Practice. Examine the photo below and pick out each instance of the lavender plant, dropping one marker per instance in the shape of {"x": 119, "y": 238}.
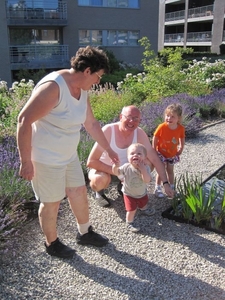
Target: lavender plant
{"x": 152, "y": 114}
{"x": 14, "y": 191}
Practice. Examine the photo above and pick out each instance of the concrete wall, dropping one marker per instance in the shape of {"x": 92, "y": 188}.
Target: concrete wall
{"x": 5, "y": 72}
{"x": 161, "y": 25}
{"x": 144, "y": 19}
{"x": 217, "y": 30}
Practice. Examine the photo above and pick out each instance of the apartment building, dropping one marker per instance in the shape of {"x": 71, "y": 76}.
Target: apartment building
{"x": 199, "y": 24}
{"x": 40, "y": 34}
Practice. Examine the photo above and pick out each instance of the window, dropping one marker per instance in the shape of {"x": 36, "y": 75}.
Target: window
{"x": 28, "y": 36}
{"x": 96, "y": 2}
{"x": 122, "y": 3}
{"x": 90, "y": 37}
{"x": 108, "y": 38}
{"x": 110, "y": 3}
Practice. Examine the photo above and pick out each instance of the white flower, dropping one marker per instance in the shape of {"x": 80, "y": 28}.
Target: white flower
{"x": 129, "y": 75}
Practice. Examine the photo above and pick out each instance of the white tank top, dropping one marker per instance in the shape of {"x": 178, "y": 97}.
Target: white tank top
{"x": 122, "y": 153}
{"x": 55, "y": 137}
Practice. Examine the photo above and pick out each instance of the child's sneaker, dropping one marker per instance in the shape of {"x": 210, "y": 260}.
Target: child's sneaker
{"x": 131, "y": 227}
{"x": 158, "y": 192}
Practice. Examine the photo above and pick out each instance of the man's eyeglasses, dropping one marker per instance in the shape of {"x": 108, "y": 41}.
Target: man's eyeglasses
{"x": 100, "y": 77}
{"x": 130, "y": 118}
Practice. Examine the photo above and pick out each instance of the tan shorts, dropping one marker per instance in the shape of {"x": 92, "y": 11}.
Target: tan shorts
{"x": 50, "y": 182}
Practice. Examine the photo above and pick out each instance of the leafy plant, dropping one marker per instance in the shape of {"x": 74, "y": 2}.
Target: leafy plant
{"x": 204, "y": 71}
{"x": 15, "y": 193}
{"x": 219, "y": 219}
{"x": 84, "y": 148}
{"x": 107, "y": 103}
{"x": 201, "y": 202}
{"x": 182, "y": 185}
{"x": 197, "y": 201}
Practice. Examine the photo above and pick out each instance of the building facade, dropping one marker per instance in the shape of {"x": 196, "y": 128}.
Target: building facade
{"x": 199, "y": 24}
{"x": 40, "y": 34}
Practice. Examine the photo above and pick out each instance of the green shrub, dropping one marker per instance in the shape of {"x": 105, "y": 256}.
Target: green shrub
{"x": 34, "y": 75}
{"x": 163, "y": 76}
{"x": 11, "y": 103}
{"x": 107, "y": 103}
{"x": 117, "y": 76}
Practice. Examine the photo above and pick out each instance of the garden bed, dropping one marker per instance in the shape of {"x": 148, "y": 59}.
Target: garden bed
{"x": 216, "y": 221}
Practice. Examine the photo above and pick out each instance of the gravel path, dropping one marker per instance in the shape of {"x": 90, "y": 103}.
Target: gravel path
{"x": 165, "y": 261}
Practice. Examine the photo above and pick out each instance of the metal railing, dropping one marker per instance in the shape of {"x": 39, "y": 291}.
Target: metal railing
{"x": 176, "y": 15}
{"x": 38, "y": 56}
{"x": 203, "y": 11}
{"x": 204, "y": 36}
{"x": 174, "y": 38}
{"x": 50, "y": 9}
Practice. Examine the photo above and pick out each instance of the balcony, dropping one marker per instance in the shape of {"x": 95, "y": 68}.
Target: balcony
{"x": 174, "y": 38}
{"x": 52, "y": 13}
{"x": 39, "y": 56}
{"x": 199, "y": 12}
{"x": 176, "y": 15}
{"x": 195, "y": 38}
{"x": 199, "y": 37}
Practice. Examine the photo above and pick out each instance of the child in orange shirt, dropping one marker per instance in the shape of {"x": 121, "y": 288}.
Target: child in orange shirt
{"x": 168, "y": 141}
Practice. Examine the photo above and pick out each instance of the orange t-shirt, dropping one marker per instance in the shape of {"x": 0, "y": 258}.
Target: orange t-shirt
{"x": 168, "y": 139}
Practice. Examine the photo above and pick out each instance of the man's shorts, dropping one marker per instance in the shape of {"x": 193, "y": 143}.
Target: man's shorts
{"x": 50, "y": 182}
{"x": 132, "y": 204}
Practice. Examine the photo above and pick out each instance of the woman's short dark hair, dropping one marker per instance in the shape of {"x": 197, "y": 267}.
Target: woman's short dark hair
{"x": 90, "y": 57}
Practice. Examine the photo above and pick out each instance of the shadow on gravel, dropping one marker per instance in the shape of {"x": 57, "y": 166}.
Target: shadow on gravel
{"x": 186, "y": 235}
{"x": 147, "y": 278}
{"x": 207, "y": 138}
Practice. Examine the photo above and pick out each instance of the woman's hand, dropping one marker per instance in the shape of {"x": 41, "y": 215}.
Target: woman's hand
{"x": 113, "y": 155}
{"x": 26, "y": 170}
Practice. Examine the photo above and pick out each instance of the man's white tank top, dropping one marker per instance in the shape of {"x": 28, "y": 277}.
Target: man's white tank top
{"x": 122, "y": 153}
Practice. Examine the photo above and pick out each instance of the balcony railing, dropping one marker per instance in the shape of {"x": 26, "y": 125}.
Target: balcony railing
{"x": 176, "y": 15}
{"x": 174, "y": 38}
{"x": 39, "y": 56}
{"x": 205, "y": 36}
{"x": 38, "y": 10}
{"x": 203, "y": 11}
